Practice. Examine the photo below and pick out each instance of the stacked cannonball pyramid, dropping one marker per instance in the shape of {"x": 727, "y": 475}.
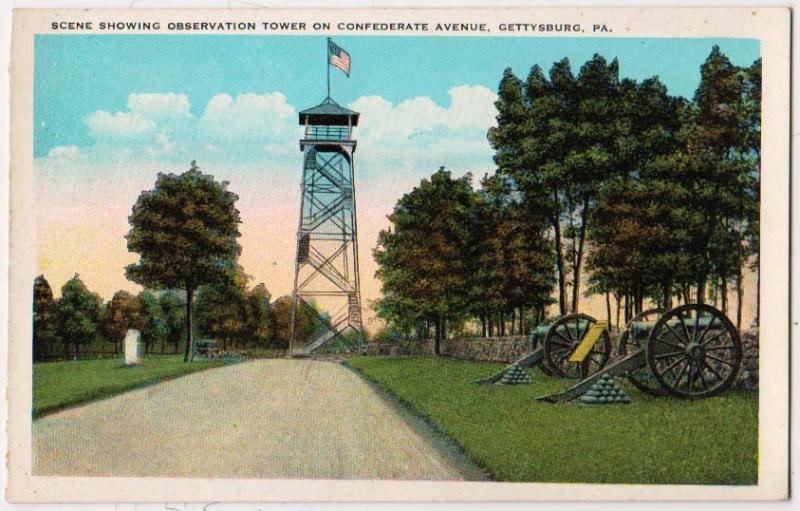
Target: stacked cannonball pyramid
{"x": 516, "y": 375}
{"x": 605, "y": 392}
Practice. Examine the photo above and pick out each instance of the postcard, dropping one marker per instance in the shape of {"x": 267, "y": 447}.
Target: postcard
{"x": 399, "y": 255}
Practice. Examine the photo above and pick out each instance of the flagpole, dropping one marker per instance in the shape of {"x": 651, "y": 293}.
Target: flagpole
{"x": 328, "y": 64}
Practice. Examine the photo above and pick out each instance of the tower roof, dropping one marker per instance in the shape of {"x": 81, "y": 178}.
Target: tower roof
{"x": 329, "y": 112}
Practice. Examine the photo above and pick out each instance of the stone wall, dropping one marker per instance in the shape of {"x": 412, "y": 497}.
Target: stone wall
{"x": 490, "y": 349}
{"x": 509, "y": 349}
{"x": 748, "y": 374}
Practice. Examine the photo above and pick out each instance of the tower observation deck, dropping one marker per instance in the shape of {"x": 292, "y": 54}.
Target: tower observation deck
{"x": 326, "y": 277}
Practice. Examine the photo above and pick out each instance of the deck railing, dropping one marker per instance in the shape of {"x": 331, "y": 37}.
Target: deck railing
{"x": 327, "y": 132}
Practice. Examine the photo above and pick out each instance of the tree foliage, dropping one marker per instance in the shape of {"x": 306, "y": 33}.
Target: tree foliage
{"x": 44, "y": 318}
{"x": 123, "y": 312}
{"x": 79, "y": 313}
{"x": 656, "y": 196}
{"x": 185, "y": 231}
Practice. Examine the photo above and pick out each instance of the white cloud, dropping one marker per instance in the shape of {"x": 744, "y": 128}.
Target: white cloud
{"x": 120, "y": 125}
{"x": 159, "y": 106}
{"x": 266, "y": 117}
{"x": 471, "y": 108}
{"x": 64, "y": 151}
{"x": 145, "y": 114}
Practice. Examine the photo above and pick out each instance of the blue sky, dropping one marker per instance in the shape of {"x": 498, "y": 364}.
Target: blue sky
{"x": 78, "y": 75}
{"x": 113, "y": 110}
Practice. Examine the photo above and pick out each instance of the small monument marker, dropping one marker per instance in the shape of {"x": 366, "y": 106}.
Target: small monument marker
{"x": 132, "y": 347}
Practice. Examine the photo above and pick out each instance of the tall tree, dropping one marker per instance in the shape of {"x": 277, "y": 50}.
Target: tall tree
{"x": 123, "y": 312}
{"x": 79, "y": 314}
{"x": 44, "y": 318}
{"x": 556, "y": 138}
{"x": 530, "y": 144}
{"x": 715, "y": 170}
{"x": 185, "y": 232}
{"x": 516, "y": 264}
{"x": 636, "y": 231}
{"x": 426, "y": 258}
{"x": 752, "y": 147}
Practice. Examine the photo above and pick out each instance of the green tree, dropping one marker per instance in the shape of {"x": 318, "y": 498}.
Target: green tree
{"x": 716, "y": 166}
{"x": 307, "y": 323}
{"x": 123, "y": 312}
{"x": 172, "y": 311}
{"x": 556, "y": 138}
{"x": 636, "y": 231}
{"x": 220, "y": 309}
{"x": 751, "y": 147}
{"x": 44, "y": 318}
{"x": 258, "y": 316}
{"x": 153, "y": 325}
{"x": 515, "y": 259}
{"x": 426, "y": 257}
{"x": 185, "y": 232}
{"x": 79, "y": 313}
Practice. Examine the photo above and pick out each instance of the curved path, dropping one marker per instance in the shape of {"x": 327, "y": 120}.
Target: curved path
{"x": 260, "y": 419}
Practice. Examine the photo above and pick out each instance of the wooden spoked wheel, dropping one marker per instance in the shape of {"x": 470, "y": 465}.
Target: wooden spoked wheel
{"x": 564, "y": 336}
{"x": 635, "y": 337}
{"x": 694, "y": 351}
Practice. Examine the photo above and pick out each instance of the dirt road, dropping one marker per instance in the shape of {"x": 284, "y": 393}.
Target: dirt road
{"x": 259, "y": 419}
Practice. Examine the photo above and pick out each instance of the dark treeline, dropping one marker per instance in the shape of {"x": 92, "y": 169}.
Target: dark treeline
{"x": 238, "y": 317}
{"x": 655, "y": 197}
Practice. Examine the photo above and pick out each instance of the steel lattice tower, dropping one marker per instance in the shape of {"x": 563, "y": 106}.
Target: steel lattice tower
{"x": 326, "y": 263}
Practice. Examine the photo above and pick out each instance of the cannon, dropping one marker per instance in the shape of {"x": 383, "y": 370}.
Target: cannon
{"x": 573, "y": 346}
{"x": 691, "y": 351}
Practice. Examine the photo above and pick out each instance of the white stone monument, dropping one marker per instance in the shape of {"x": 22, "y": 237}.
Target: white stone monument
{"x": 132, "y": 347}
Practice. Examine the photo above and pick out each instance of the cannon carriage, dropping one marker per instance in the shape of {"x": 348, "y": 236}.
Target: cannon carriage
{"x": 573, "y": 346}
{"x": 690, "y": 351}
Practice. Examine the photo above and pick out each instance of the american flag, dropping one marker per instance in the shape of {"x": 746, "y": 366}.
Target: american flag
{"x": 337, "y": 57}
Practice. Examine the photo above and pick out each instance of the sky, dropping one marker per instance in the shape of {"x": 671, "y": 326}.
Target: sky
{"x": 110, "y": 111}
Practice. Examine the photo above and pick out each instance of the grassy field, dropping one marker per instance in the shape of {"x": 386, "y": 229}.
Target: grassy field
{"x": 58, "y": 385}
{"x": 515, "y": 438}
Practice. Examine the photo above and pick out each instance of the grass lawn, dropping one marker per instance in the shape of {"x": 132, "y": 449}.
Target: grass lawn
{"x": 58, "y": 385}
{"x": 515, "y": 438}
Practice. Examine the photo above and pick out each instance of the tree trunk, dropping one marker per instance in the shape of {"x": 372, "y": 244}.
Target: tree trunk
{"x": 724, "y": 293}
{"x": 562, "y": 292}
{"x": 576, "y": 271}
{"x": 627, "y": 308}
{"x": 513, "y": 320}
{"x": 701, "y": 290}
{"x": 77, "y": 349}
{"x": 187, "y": 357}
{"x": 502, "y": 323}
{"x": 639, "y": 305}
{"x": 483, "y": 325}
{"x": 438, "y": 336}
{"x": 739, "y": 297}
{"x": 618, "y": 298}
{"x": 608, "y": 307}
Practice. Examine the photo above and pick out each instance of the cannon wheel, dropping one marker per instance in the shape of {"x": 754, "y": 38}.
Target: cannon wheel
{"x": 641, "y": 378}
{"x": 691, "y": 360}
{"x": 562, "y": 339}
{"x": 543, "y": 364}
